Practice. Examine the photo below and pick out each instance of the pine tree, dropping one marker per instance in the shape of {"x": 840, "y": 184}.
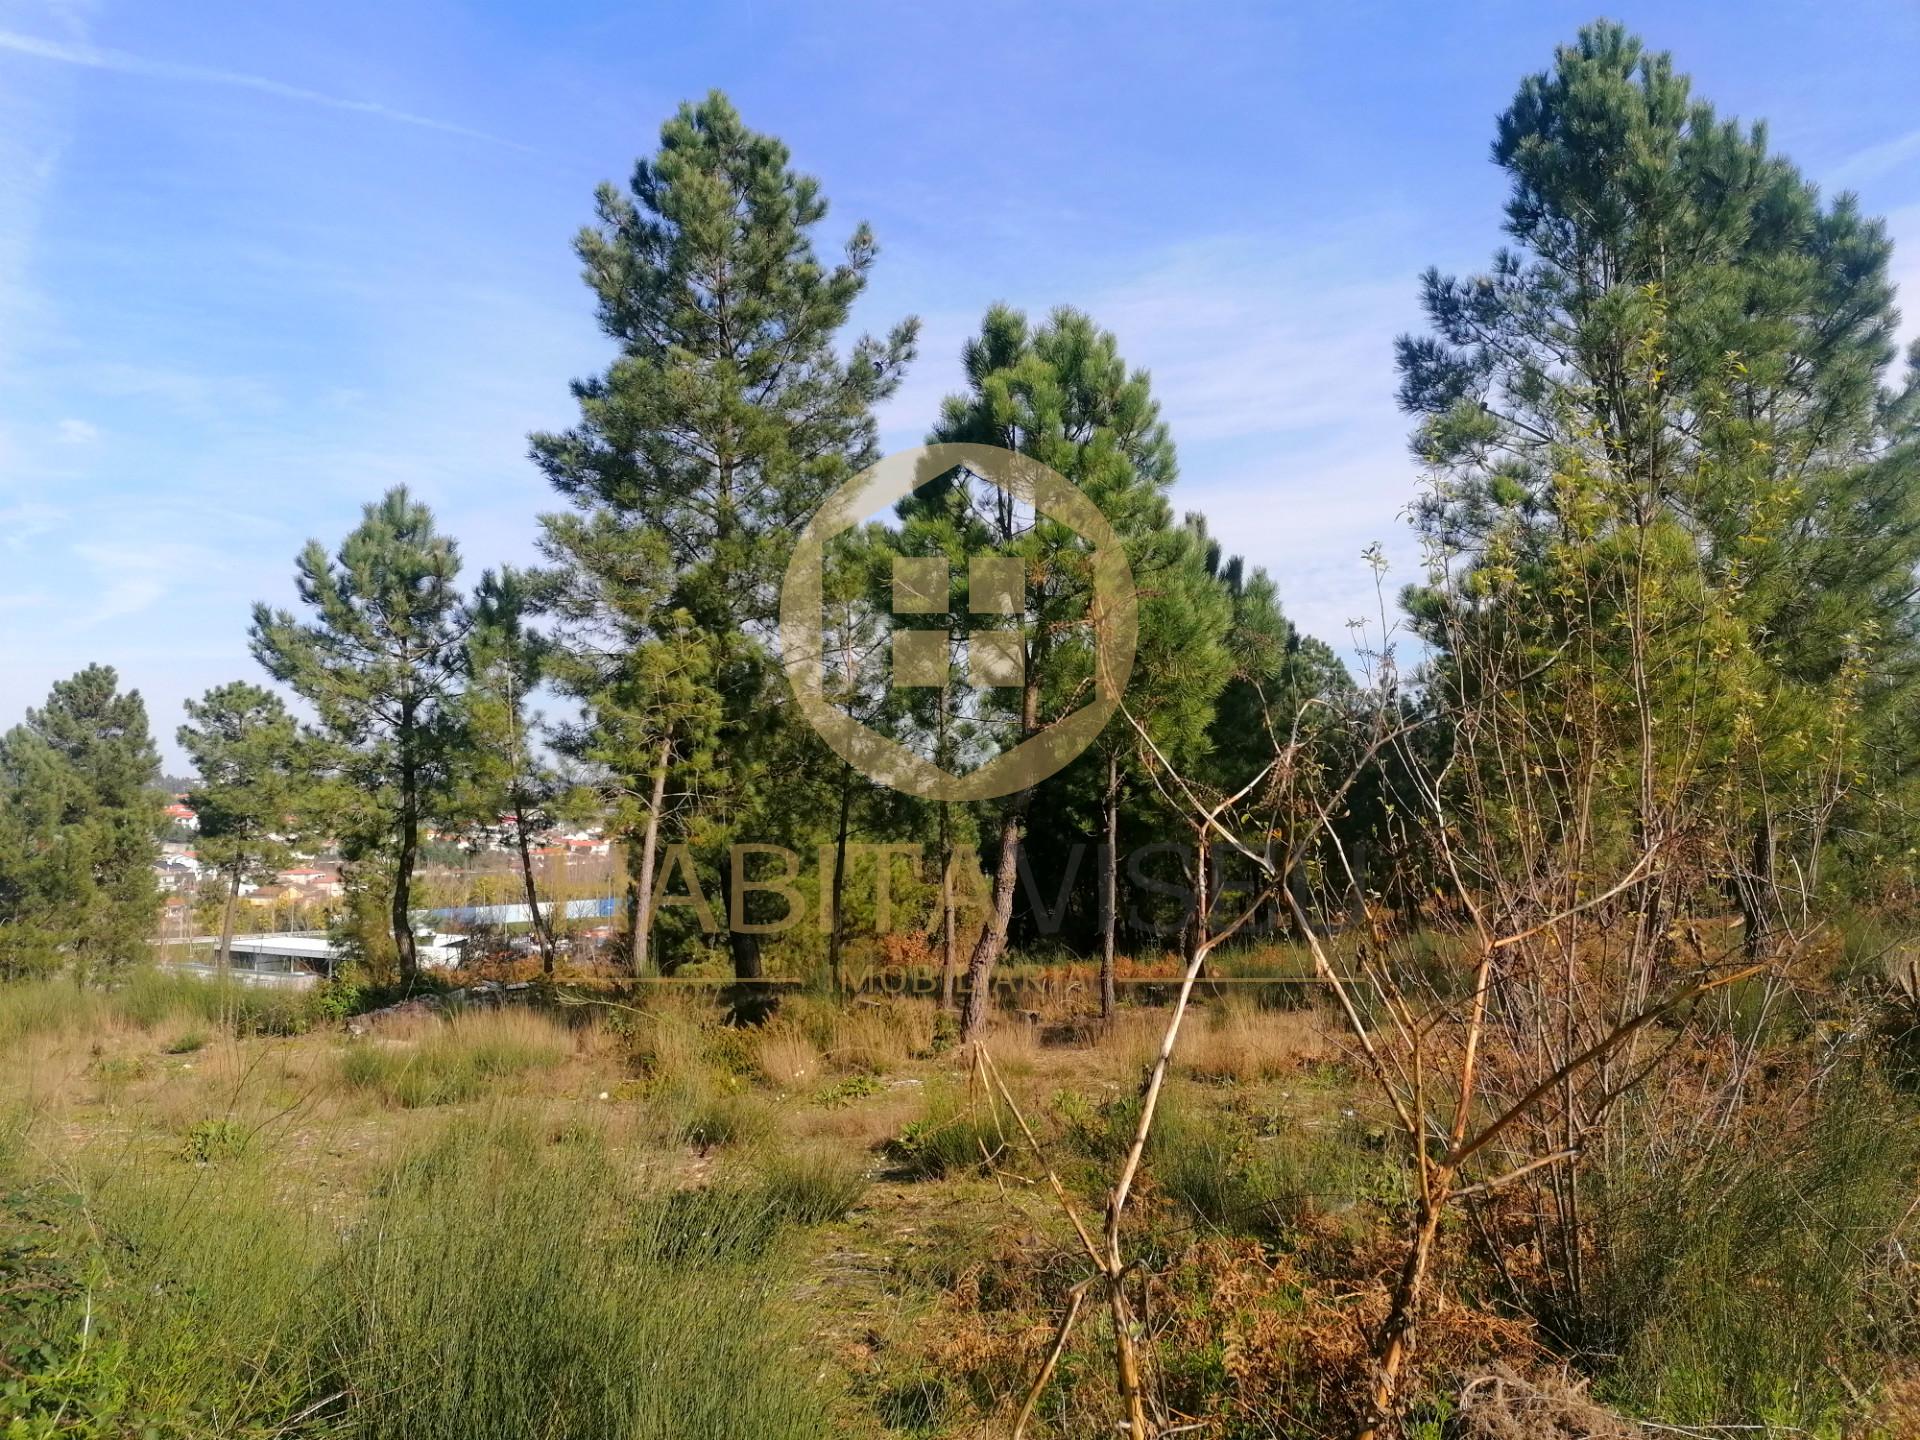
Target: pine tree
{"x": 502, "y": 768}
{"x": 79, "y": 830}
{"x": 246, "y": 749}
{"x": 643, "y": 675}
{"x": 1180, "y": 666}
{"x": 724, "y": 421}
{"x": 1061, "y": 394}
{"x": 381, "y": 663}
{"x": 1686, "y": 347}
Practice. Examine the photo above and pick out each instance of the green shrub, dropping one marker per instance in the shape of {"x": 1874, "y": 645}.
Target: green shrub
{"x": 950, "y": 1139}
{"x": 845, "y": 1091}
{"x": 216, "y": 1139}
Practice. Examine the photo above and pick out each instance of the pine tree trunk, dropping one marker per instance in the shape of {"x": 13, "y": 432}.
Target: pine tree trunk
{"x": 1109, "y": 888}
{"x": 744, "y": 945}
{"x": 516, "y": 796}
{"x": 640, "y": 891}
{"x": 401, "y": 915}
{"x": 225, "y": 959}
{"x": 631, "y": 943}
{"x": 948, "y": 941}
{"x": 540, "y": 931}
{"x": 993, "y": 930}
{"x": 837, "y": 935}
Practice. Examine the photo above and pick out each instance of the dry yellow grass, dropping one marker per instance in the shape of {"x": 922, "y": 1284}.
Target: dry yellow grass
{"x": 877, "y": 1036}
{"x": 1015, "y": 1046}
{"x": 785, "y": 1057}
{"x": 1238, "y": 1043}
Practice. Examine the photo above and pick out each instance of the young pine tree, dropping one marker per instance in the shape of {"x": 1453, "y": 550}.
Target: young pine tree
{"x": 79, "y": 830}
{"x": 381, "y": 662}
{"x": 504, "y": 773}
{"x": 246, "y": 749}
{"x": 1180, "y": 667}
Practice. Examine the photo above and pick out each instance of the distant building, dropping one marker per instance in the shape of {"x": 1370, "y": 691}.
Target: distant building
{"x": 177, "y": 869}
{"x": 314, "y": 882}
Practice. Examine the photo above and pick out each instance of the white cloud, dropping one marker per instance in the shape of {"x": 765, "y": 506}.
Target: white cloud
{"x": 130, "y": 576}
{"x": 27, "y": 521}
{"x": 76, "y": 432}
{"x": 1246, "y": 340}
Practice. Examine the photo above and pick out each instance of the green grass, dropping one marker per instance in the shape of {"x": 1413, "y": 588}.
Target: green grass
{"x": 457, "y": 1061}
{"x": 46, "y": 1006}
{"x": 951, "y": 1138}
{"x": 150, "y": 998}
{"x": 812, "y": 1187}
{"x": 1233, "y": 1168}
{"x": 1759, "y": 1284}
{"x": 498, "y": 1284}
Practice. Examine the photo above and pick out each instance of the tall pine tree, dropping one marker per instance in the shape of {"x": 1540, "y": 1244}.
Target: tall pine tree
{"x": 725, "y": 419}
{"x": 1685, "y": 354}
{"x": 1062, "y": 394}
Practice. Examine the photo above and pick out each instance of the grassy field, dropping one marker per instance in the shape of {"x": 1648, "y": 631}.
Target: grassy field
{"x": 227, "y": 1215}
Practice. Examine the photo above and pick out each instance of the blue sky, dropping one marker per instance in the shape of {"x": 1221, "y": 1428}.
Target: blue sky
{"x": 260, "y": 261}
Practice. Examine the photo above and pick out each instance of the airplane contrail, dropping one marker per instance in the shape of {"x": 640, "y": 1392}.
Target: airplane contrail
{"x": 94, "y": 58}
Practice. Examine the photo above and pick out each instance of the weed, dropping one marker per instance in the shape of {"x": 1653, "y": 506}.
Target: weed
{"x": 845, "y": 1091}
{"x": 216, "y": 1139}
{"x": 949, "y": 1140}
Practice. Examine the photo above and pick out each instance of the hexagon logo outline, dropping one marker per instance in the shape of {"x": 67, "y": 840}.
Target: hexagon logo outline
{"x": 1114, "y": 613}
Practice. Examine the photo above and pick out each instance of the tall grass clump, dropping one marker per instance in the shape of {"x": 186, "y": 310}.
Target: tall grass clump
{"x": 952, "y": 1137}
{"x": 811, "y": 1187}
{"x": 502, "y": 1286}
{"x": 870, "y": 1036}
{"x": 497, "y": 1283}
{"x": 1242, "y": 1042}
{"x": 158, "y": 1297}
{"x": 52, "y": 1005}
{"x": 1756, "y": 1283}
{"x": 458, "y": 1060}
{"x": 150, "y": 998}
